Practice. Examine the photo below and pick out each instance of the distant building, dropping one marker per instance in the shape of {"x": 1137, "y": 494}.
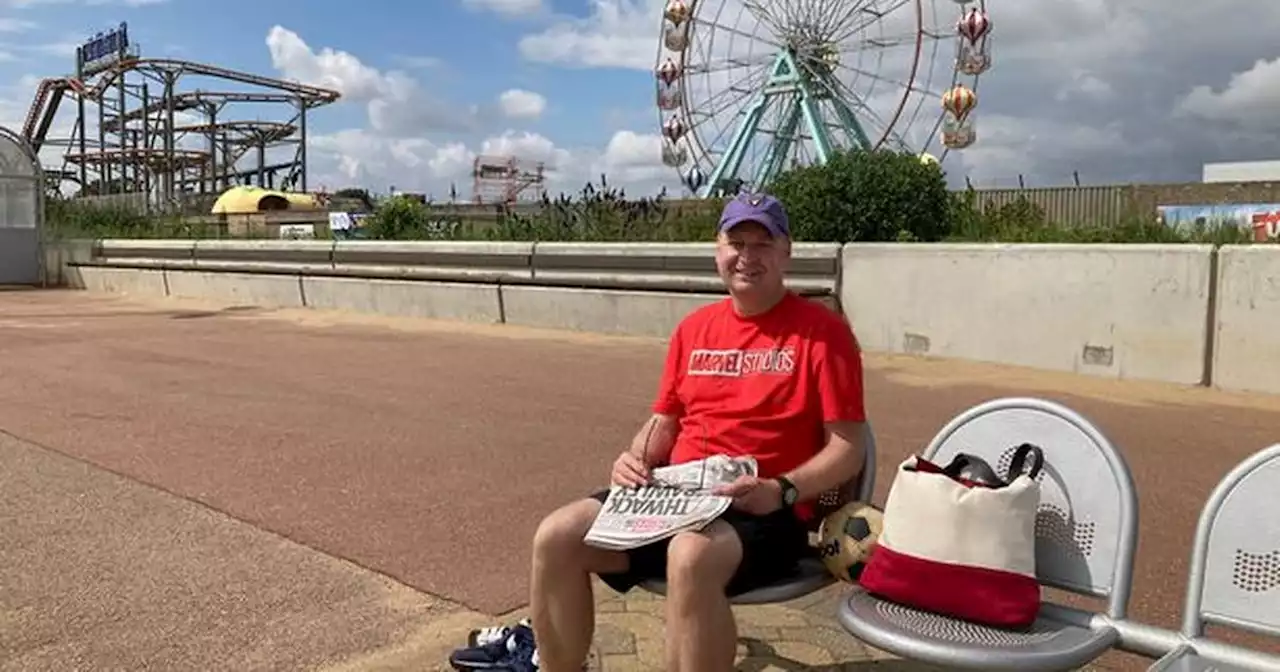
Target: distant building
{"x": 1242, "y": 171}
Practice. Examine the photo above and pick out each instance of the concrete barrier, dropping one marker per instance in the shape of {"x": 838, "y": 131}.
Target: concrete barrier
{"x": 464, "y": 302}
{"x": 611, "y": 288}
{"x": 144, "y": 253}
{"x": 140, "y": 282}
{"x": 282, "y": 257}
{"x": 240, "y": 289}
{"x": 641, "y": 288}
{"x": 1122, "y": 311}
{"x": 674, "y": 267}
{"x": 1158, "y": 312}
{"x": 1246, "y": 352}
{"x": 60, "y": 267}
{"x": 639, "y": 313}
{"x": 460, "y": 261}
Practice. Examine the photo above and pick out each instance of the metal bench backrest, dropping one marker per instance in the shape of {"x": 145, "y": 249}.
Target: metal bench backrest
{"x": 860, "y": 489}
{"x": 1235, "y": 564}
{"x": 1087, "y": 526}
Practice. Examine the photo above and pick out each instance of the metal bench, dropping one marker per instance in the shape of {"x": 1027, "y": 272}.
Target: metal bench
{"x": 1234, "y": 579}
{"x": 811, "y": 575}
{"x": 1086, "y": 534}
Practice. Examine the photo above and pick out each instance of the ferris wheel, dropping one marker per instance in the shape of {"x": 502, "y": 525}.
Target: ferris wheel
{"x": 749, "y": 88}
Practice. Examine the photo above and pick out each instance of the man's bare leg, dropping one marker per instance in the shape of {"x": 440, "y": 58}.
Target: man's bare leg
{"x": 701, "y": 633}
{"x": 561, "y": 602}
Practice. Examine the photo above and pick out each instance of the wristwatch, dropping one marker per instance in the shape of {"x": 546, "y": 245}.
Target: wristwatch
{"x": 789, "y": 492}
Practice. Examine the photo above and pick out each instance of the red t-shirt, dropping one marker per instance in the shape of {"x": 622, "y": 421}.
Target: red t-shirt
{"x": 761, "y": 385}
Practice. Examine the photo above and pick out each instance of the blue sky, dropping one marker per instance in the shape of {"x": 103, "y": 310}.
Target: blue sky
{"x": 465, "y": 55}
{"x": 1078, "y": 86}
{"x": 454, "y": 54}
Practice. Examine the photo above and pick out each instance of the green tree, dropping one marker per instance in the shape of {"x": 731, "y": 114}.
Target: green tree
{"x": 858, "y": 196}
{"x": 399, "y": 218}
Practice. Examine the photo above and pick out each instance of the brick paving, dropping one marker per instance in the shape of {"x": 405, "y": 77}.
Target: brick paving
{"x": 381, "y": 451}
{"x": 799, "y": 635}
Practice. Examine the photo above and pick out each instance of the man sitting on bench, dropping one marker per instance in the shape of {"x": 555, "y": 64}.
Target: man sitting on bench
{"x": 765, "y": 373}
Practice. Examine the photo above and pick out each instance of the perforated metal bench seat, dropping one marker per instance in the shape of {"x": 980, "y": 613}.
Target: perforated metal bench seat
{"x": 1049, "y": 645}
{"x": 1185, "y": 659}
{"x": 810, "y": 576}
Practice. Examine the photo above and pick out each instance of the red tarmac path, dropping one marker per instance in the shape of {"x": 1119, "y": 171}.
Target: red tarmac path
{"x": 427, "y": 452}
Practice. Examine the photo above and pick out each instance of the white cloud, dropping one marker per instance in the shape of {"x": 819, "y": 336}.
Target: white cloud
{"x": 1115, "y": 91}
{"x": 396, "y": 103}
{"x": 510, "y": 8}
{"x": 11, "y": 25}
{"x": 331, "y": 69}
{"x": 23, "y": 4}
{"x": 359, "y": 157}
{"x": 399, "y": 146}
{"x": 521, "y": 104}
{"x": 617, "y": 34}
{"x": 1249, "y": 99}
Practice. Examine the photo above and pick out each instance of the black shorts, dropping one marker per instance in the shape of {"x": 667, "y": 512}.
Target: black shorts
{"x": 772, "y": 545}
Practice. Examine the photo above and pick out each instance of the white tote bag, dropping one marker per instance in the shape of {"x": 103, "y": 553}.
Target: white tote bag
{"x": 960, "y": 541}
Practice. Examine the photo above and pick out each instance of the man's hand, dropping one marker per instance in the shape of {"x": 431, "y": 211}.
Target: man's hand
{"x": 757, "y": 496}
{"x": 629, "y": 470}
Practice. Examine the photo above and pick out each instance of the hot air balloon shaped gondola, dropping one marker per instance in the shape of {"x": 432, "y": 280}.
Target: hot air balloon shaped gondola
{"x": 670, "y": 93}
{"x": 957, "y": 130}
{"x": 974, "y": 49}
{"x": 694, "y": 179}
{"x": 674, "y": 155}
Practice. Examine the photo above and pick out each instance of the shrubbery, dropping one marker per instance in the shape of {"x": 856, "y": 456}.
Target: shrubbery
{"x": 605, "y": 214}
{"x": 855, "y": 197}
{"x": 81, "y": 219}
{"x": 1022, "y": 221}
{"x": 404, "y": 218}
{"x": 867, "y": 196}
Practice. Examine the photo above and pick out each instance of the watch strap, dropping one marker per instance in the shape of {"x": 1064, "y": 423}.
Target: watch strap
{"x": 789, "y": 491}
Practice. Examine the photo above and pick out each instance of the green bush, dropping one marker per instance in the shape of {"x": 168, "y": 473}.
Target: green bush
{"x": 856, "y": 197}
{"x": 867, "y": 197}
{"x": 605, "y": 214}
{"x": 405, "y": 218}
{"x": 66, "y": 219}
{"x": 1021, "y": 221}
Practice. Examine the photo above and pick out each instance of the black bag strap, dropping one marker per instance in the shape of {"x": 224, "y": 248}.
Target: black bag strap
{"x": 1018, "y": 465}
{"x": 973, "y": 468}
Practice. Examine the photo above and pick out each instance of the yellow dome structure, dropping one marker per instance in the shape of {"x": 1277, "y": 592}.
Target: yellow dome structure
{"x": 249, "y": 200}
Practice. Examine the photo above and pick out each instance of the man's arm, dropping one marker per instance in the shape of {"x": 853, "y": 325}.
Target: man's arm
{"x": 657, "y": 437}
{"x": 837, "y": 372}
{"x": 654, "y": 441}
{"x": 838, "y": 462}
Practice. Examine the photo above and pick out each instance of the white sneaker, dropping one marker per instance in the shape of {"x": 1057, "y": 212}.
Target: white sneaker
{"x": 493, "y": 633}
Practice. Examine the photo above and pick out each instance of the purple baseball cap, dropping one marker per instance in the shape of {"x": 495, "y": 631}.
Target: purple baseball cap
{"x": 760, "y": 208}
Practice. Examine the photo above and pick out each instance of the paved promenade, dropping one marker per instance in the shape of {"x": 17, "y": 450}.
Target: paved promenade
{"x": 194, "y": 487}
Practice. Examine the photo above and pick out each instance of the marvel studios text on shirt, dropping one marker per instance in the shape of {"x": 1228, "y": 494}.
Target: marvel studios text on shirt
{"x": 737, "y": 363}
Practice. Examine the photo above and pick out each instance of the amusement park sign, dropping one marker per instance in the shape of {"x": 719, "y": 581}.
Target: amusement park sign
{"x": 102, "y": 49}
{"x": 1263, "y": 219}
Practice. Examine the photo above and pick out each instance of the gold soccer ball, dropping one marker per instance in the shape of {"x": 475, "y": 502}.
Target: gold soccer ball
{"x": 846, "y": 538}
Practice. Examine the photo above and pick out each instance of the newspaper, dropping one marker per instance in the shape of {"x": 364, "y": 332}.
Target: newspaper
{"x": 677, "y": 498}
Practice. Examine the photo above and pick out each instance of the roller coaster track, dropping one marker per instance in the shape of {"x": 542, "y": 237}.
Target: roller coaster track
{"x": 44, "y": 108}
{"x": 181, "y": 102}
